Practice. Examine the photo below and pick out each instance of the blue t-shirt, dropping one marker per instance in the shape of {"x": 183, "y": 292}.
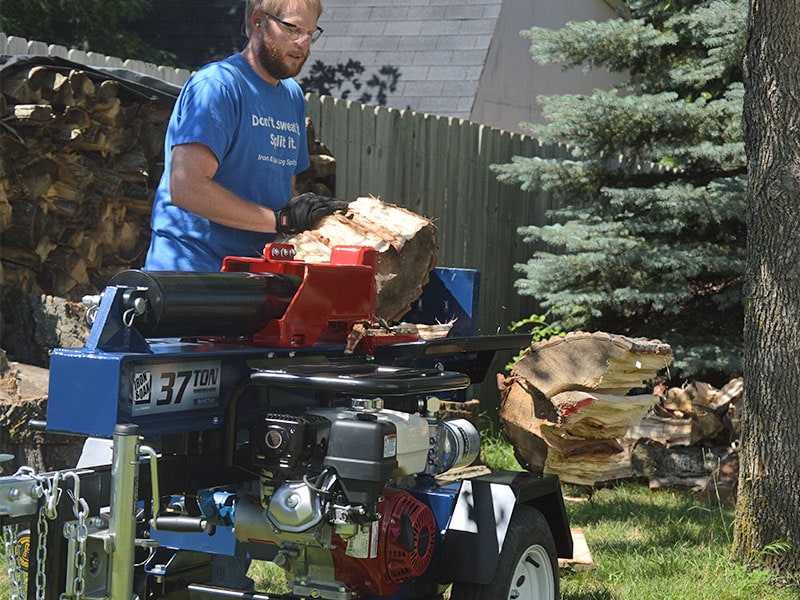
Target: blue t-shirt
{"x": 257, "y": 132}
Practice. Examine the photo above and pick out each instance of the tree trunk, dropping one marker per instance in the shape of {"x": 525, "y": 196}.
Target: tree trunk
{"x": 768, "y": 505}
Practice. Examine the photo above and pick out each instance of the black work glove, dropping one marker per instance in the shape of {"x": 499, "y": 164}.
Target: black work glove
{"x": 302, "y": 212}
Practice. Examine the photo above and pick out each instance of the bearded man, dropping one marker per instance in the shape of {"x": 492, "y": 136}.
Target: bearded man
{"x": 235, "y": 142}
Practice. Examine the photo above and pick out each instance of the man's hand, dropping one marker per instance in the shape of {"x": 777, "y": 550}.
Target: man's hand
{"x": 303, "y": 211}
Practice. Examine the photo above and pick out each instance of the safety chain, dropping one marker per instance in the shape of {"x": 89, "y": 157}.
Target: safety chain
{"x": 13, "y": 566}
{"x": 41, "y": 554}
{"x": 81, "y": 510}
{"x": 50, "y": 494}
{"x": 80, "y": 557}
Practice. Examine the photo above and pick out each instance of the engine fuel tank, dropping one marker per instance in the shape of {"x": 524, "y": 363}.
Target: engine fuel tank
{"x": 410, "y": 442}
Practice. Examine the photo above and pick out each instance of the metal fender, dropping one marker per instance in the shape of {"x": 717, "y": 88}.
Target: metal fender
{"x": 474, "y": 536}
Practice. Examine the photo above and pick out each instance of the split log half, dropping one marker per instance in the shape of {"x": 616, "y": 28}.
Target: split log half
{"x": 591, "y": 469}
{"x": 571, "y": 394}
{"x": 406, "y": 245}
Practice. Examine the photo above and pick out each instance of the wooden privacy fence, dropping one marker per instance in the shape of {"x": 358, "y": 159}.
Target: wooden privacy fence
{"x": 440, "y": 167}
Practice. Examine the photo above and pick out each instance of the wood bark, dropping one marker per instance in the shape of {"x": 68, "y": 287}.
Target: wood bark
{"x": 565, "y": 405}
{"x": 405, "y": 241}
{"x": 768, "y": 504}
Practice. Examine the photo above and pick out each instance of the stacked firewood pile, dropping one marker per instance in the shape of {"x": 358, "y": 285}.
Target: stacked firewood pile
{"x": 81, "y": 158}
{"x": 81, "y": 153}
{"x": 690, "y": 439}
{"x": 584, "y": 407}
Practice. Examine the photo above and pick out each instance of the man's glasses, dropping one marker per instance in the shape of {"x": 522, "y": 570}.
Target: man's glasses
{"x": 294, "y": 33}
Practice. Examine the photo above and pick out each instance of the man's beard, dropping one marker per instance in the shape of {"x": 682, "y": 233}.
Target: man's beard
{"x": 272, "y": 61}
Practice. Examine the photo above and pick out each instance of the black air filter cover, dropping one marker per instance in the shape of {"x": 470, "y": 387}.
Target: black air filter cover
{"x": 363, "y": 450}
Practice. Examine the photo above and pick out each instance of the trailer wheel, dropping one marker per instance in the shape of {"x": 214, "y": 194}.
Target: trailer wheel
{"x": 527, "y": 568}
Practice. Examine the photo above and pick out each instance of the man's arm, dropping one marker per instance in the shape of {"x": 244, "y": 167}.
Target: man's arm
{"x": 192, "y": 188}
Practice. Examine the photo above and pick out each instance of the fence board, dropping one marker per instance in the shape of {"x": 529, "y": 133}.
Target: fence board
{"x": 417, "y": 173}
{"x": 403, "y": 157}
{"x": 368, "y": 151}
{"x": 478, "y": 172}
{"x": 492, "y": 302}
{"x": 466, "y": 202}
{"x": 354, "y": 144}
{"x": 382, "y": 173}
{"x": 341, "y": 146}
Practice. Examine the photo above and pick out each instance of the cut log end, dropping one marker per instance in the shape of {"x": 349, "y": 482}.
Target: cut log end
{"x": 569, "y": 396}
{"x": 406, "y": 245}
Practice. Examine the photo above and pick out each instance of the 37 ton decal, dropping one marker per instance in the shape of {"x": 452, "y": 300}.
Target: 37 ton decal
{"x": 175, "y": 386}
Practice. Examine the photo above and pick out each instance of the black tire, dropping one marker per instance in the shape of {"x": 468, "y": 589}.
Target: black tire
{"x": 527, "y": 568}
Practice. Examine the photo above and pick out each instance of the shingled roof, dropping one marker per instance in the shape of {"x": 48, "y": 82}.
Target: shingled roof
{"x": 457, "y": 58}
{"x": 434, "y": 50}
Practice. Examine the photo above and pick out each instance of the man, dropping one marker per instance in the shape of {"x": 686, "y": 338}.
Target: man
{"x": 234, "y": 144}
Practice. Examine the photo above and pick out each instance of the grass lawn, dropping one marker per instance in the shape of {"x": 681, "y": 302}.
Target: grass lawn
{"x": 660, "y": 546}
{"x": 652, "y": 545}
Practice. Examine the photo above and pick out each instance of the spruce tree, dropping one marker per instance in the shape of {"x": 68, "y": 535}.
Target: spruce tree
{"x": 649, "y": 239}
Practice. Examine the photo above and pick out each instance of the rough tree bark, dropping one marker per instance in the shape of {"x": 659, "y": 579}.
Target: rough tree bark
{"x": 768, "y": 505}
{"x": 405, "y": 241}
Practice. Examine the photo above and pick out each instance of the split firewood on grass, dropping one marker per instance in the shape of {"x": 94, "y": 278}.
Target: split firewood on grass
{"x": 565, "y": 406}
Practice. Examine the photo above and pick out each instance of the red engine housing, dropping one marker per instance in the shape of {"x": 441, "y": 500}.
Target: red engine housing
{"x": 397, "y": 548}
